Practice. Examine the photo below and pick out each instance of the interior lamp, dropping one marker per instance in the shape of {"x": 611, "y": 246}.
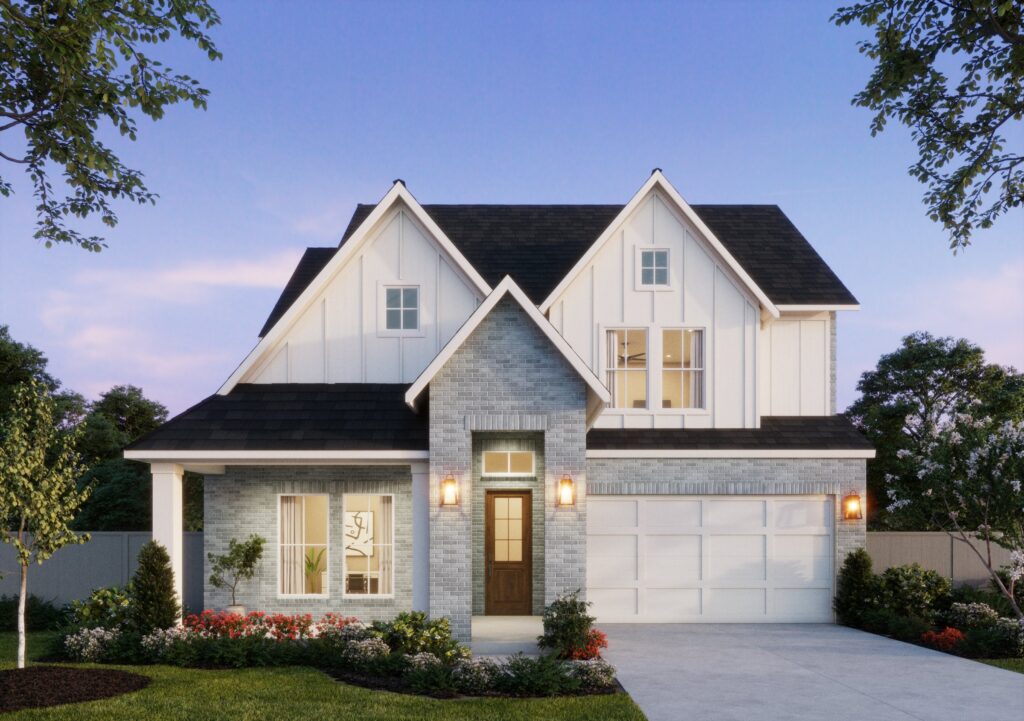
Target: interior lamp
{"x": 449, "y": 491}
{"x": 566, "y": 491}
{"x": 853, "y": 508}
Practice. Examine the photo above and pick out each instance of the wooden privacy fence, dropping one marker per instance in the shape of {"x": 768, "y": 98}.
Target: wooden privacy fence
{"x": 934, "y": 550}
{"x": 109, "y": 559}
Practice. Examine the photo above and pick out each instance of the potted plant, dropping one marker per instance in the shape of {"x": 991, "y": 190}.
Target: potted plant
{"x": 313, "y": 559}
{"x": 237, "y": 565}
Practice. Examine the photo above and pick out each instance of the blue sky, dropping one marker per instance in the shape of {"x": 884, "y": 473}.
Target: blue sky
{"x": 316, "y": 107}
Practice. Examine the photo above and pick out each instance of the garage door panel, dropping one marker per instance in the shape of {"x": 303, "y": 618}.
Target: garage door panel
{"x": 806, "y": 604}
{"x": 672, "y": 604}
{"x": 614, "y": 603}
{"x": 611, "y": 560}
{"x": 801, "y": 571}
{"x": 672, "y": 560}
{"x": 607, "y": 514}
{"x": 802, "y": 514}
{"x": 736, "y": 558}
{"x": 738, "y": 604}
{"x": 739, "y": 515}
{"x": 672, "y": 514}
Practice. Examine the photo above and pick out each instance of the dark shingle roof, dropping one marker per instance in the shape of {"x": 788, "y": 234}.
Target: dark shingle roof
{"x": 784, "y": 433}
{"x": 296, "y": 416}
{"x": 539, "y": 244}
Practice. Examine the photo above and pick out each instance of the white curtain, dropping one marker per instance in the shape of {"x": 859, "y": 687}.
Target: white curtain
{"x": 383, "y": 533}
{"x": 293, "y": 534}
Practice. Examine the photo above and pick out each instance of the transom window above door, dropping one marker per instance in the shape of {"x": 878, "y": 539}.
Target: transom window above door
{"x": 401, "y": 308}
{"x": 508, "y": 463}
{"x": 653, "y": 268}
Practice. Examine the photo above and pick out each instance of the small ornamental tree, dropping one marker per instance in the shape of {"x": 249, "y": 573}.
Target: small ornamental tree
{"x": 237, "y": 565}
{"x": 857, "y": 589}
{"x": 156, "y": 604}
{"x": 970, "y": 481}
{"x": 39, "y": 493}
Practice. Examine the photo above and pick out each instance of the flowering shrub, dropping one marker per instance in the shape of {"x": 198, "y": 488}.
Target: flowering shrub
{"x": 475, "y": 676}
{"x": 413, "y": 633}
{"x": 367, "y": 651}
{"x": 594, "y": 674}
{"x": 972, "y": 615}
{"x": 106, "y": 607}
{"x": 946, "y": 640}
{"x": 423, "y": 661}
{"x": 568, "y": 631}
{"x": 91, "y": 645}
{"x": 596, "y": 640}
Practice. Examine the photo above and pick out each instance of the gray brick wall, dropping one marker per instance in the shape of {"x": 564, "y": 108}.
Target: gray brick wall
{"x": 245, "y": 500}
{"x": 505, "y": 377}
{"x": 728, "y": 476}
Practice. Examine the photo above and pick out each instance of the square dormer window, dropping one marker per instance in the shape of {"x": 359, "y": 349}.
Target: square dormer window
{"x": 653, "y": 268}
{"x": 402, "y": 308}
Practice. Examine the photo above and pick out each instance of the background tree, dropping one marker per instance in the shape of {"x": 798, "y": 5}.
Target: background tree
{"x": 39, "y": 493}
{"x": 960, "y": 123}
{"x": 909, "y": 394}
{"x": 66, "y": 67}
{"x": 20, "y": 363}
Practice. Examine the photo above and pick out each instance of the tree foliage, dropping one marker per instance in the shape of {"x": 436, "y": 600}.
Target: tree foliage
{"x": 155, "y": 604}
{"x": 21, "y": 363}
{"x": 953, "y": 72}
{"x": 39, "y": 492}
{"x": 237, "y": 565}
{"x": 909, "y": 394}
{"x": 69, "y": 67}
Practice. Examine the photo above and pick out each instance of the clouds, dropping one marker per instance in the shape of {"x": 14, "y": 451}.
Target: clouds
{"x": 176, "y": 331}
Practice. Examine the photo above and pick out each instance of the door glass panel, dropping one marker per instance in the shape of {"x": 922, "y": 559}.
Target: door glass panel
{"x": 501, "y": 528}
{"x": 501, "y": 508}
{"x": 515, "y": 507}
{"x": 508, "y": 529}
{"x": 501, "y": 550}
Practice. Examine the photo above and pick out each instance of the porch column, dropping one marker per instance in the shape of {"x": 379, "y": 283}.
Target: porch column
{"x": 167, "y": 517}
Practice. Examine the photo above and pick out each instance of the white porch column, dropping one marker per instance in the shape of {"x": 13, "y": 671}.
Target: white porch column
{"x": 420, "y": 536}
{"x": 167, "y": 517}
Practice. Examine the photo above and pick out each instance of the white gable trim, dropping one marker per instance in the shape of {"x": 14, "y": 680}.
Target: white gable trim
{"x": 397, "y": 194}
{"x": 659, "y": 181}
{"x": 727, "y": 453}
{"x": 816, "y": 307}
{"x": 507, "y": 287}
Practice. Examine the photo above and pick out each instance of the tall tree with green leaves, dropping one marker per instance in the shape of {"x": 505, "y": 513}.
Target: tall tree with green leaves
{"x": 20, "y": 363}
{"x": 39, "y": 492}
{"x": 953, "y": 72}
{"x": 908, "y": 396}
{"x": 70, "y": 69}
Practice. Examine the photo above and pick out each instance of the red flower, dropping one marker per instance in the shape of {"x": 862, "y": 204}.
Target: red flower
{"x": 947, "y": 640}
{"x": 596, "y": 640}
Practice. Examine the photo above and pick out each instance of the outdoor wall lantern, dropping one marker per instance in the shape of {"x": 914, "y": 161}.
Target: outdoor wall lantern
{"x": 853, "y": 509}
{"x": 566, "y": 491}
{"x": 449, "y": 491}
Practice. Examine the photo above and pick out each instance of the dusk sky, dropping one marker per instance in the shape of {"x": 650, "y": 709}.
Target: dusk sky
{"x": 316, "y": 107}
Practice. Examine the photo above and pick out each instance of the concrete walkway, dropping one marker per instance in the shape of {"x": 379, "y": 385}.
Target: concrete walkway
{"x": 505, "y": 635}
{"x": 770, "y": 672}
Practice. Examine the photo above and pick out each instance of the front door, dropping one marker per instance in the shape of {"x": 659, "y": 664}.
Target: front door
{"x": 509, "y": 554}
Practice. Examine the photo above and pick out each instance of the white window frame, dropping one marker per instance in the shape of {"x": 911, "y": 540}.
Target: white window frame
{"x": 278, "y": 544}
{"x": 509, "y": 474}
{"x": 654, "y": 351}
{"x": 382, "y": 311}
{"x": 638, "y": 269}
{"x": 344, "y": 557}
{"x": 701, "y": 410}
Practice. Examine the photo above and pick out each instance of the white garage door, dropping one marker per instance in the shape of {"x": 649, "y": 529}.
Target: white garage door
{"x": 739, "y": 559}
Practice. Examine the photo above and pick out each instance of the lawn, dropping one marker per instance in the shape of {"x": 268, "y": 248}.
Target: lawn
{"x": 1010, "y": 664}
{"x": 299, "y": 693}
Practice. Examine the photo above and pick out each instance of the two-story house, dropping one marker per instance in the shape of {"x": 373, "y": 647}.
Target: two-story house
{"x": 468, "y": 409}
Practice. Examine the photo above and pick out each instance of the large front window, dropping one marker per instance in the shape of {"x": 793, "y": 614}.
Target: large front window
{"x": 682, "y": 369}
{"x": 303, "y": 545}
{"x": 369, "y": 545}
{"x": 627, "y": 367}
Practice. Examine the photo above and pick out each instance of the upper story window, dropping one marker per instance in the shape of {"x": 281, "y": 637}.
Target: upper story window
{"x": 508, "y": 463}
{"x": 653, "y": 268}
{"x": 627, "y": 367}
{"x": 682, "y": 368}
{"x": 302, "y": 528}
{"x": 402, "y": 308}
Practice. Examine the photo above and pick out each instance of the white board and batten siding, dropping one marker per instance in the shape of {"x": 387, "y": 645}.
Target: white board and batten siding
{"x": 704, "y": 294}
{"x": 733, "y": 559}
{"x": 796, "y": 366}
{"x": 340, "y": 336}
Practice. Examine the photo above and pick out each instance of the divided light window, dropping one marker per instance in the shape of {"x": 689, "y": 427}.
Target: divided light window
{"x": 402, "y": 308}
{"x": 627, "y": 367}
{"x": 303, "y": 546}
{"x": 508, "y": 463}
{"x": 654, "y": 268}
{"x": 682, "y": 369}
{"x": 369, "y": 544}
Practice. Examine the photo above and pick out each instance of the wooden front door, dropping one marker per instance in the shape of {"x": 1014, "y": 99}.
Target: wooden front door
{"x": 509, "y": 554}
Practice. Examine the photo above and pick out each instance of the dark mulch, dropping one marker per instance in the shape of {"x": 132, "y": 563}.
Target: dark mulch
{"x": 396, "y": 684}
{"x": 39, "y": 686}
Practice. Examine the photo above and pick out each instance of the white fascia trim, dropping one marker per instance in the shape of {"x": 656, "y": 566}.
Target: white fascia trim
{"x": 225, "y": 457}
{"x": 398, "y": 193}
{"x": 658, "y": 180}
{"x": 506, "y": 287}
{"x": 812, "y": 308}
{"x": 739, "y": 453}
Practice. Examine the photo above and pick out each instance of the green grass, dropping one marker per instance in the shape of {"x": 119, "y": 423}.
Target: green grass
{"x": 1010, "y": 664}
{"x": 302, "y": 694}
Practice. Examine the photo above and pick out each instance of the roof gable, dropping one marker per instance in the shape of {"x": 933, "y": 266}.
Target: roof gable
{"x": 508, "y": 287}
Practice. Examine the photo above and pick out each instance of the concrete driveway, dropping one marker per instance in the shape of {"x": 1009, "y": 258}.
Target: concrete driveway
{"x": 769, "y": 672}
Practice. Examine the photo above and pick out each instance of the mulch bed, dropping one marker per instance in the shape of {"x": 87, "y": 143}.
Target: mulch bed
{"x": 39, "y": 686}
{"x": 396, "y": 684}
